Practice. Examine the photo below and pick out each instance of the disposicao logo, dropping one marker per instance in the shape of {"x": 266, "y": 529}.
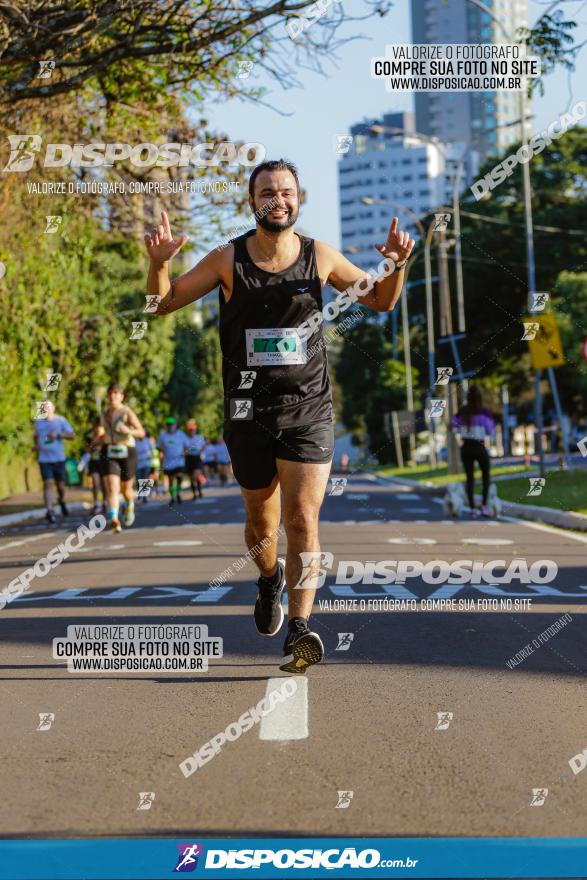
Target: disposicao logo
{"x": 188, "y": 857}
{"x": 24, "y": 148}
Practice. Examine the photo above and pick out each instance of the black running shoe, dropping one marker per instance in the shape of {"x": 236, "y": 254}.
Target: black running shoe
{"x": 179, "y": 501}
{"x": 302, "y": 648}
{"x": 50, "y": 517}
{"x": 64, "y": 509}
{"x": 268, "y": 610}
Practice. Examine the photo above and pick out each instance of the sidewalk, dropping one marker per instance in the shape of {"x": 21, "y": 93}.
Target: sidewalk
{"x": 562, "y": 519}
{"x": 30, "y": 505}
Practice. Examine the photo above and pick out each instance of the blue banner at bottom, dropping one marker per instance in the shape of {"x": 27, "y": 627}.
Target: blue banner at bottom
{"x": 272, "y": 858}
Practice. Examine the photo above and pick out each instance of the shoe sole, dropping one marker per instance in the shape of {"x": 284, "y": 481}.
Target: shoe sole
{"x": 275, "y": 631}
{"x": 306, "y": 652}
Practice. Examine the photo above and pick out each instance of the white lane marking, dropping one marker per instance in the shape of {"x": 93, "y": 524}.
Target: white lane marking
{"x": 417, "y": 510}
{"x": 26, "y": 540}
{"x": 491, "y": 542}
{"x": 100, "y": 548}
{"x": 566, "y": 533}
{"x": 357, "y": 496}
{"x": 288, "y": 720}
{"x": 412, "y": 541}
{"x": 409, "y": 496}
{"x": 177, "y": 543}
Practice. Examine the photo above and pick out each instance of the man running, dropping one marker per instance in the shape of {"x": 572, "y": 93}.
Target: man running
{"x": 94, "y": 450}
{"x": 193, "y": 458}
{"x": 50, "y": 432}
{"x": 118, "y": 431}
{"x": 223, "y": 460}
{"x": 172, "y": 443}
{"x": 277, "y": 399}
{"x": 144, "y": 449}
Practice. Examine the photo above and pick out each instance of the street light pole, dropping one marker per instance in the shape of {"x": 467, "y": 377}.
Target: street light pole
{"x": 456, "y": 207}
{"x": 427, "y": 239}
{"x": 529, "y": 239}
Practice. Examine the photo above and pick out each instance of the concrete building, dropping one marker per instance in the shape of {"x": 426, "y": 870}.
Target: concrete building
{"x": 485, "y": 121}
{"x": 398, "y": 173}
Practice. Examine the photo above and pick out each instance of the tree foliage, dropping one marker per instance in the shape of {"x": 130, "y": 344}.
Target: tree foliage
{"x": 372, "y": 384}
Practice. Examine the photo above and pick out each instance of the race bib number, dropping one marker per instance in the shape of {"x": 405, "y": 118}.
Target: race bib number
{"x": 117, "y": 451}
{"x": 276, "y": 347}
{"x": 473, "y": 433}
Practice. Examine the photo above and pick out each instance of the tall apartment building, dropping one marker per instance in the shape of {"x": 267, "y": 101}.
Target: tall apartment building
{"x": 485, "y": 121}
{"x": 397, "y": 173}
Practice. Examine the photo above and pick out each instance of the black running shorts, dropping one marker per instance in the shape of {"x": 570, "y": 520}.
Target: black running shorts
{"x": 253, "y": 449}
{"x": 173, "y": 472}
{"x": 125, "y": 468}
{"x": 193, "y": 463}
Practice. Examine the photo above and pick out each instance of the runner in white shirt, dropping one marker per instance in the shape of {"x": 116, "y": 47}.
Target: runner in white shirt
{"x": 208, "y": 457}
{"x": 193, "y": 458}
{"x": 50, "y": 432}
{"x": 223, "y": 460}
{"x": 172, "y": 443}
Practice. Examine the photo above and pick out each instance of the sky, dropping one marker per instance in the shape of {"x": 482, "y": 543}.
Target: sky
{"x": 328, "y": 105}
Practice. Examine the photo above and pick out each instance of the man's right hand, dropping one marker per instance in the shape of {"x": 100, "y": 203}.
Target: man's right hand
{"x": 161, "y": 246}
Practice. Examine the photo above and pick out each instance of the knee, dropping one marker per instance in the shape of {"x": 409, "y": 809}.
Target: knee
{"x": 300, "y": 519}
{"x": 260, "y": 526}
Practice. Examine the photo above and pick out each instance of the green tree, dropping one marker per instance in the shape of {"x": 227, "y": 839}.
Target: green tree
{"x": 371, "y": 383}
{"x": 195, "y": 387}
{"x": 570, "y": 293}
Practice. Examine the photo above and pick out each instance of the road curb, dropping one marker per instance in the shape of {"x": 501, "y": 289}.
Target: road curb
{"x": 563, "y": 519}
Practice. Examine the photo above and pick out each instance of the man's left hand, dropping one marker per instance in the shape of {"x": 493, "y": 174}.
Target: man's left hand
{"x": 398, "y": 246}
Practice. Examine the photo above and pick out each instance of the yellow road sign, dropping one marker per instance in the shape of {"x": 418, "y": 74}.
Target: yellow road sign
{"x": 544, "y": 342}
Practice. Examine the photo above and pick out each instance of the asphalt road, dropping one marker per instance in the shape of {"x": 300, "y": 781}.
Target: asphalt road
{"x": 366, "y": 721}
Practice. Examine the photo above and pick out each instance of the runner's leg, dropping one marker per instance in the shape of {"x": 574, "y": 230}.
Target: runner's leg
{"x": 483, "y": 459}
{"x": 48, "y": 494}
{"x": 112, "y": 486}
{"x": 469, "y": 465}
{"x": 303, "y": 486}
{"x": 60, "y": 490}
{"x": 263, "y": 509}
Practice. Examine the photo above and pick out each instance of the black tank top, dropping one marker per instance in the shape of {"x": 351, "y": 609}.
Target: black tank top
{"x": 289, "y": 389}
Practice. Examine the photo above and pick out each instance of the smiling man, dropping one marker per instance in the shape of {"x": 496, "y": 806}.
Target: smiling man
{"x": 277, "y": 393}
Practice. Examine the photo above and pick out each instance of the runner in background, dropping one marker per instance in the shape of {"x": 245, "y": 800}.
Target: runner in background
{"x": 155, "y": 471}
{"x": 94, "y": 449}
{"x": 209, "y": 459}
{"x": 193, "y": 460}
{"x": 223, "y": 461}
{"x": 50, "y": 432}
{"x": 172, "y": 443}
{"x": 144, "y": 449}
{"x": 475, "y": 424}
{"x": 118, "y": 432}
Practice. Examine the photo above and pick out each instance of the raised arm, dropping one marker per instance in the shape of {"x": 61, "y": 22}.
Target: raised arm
{"x": 189, "y": 287}
{"x": 381, "y": 295}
